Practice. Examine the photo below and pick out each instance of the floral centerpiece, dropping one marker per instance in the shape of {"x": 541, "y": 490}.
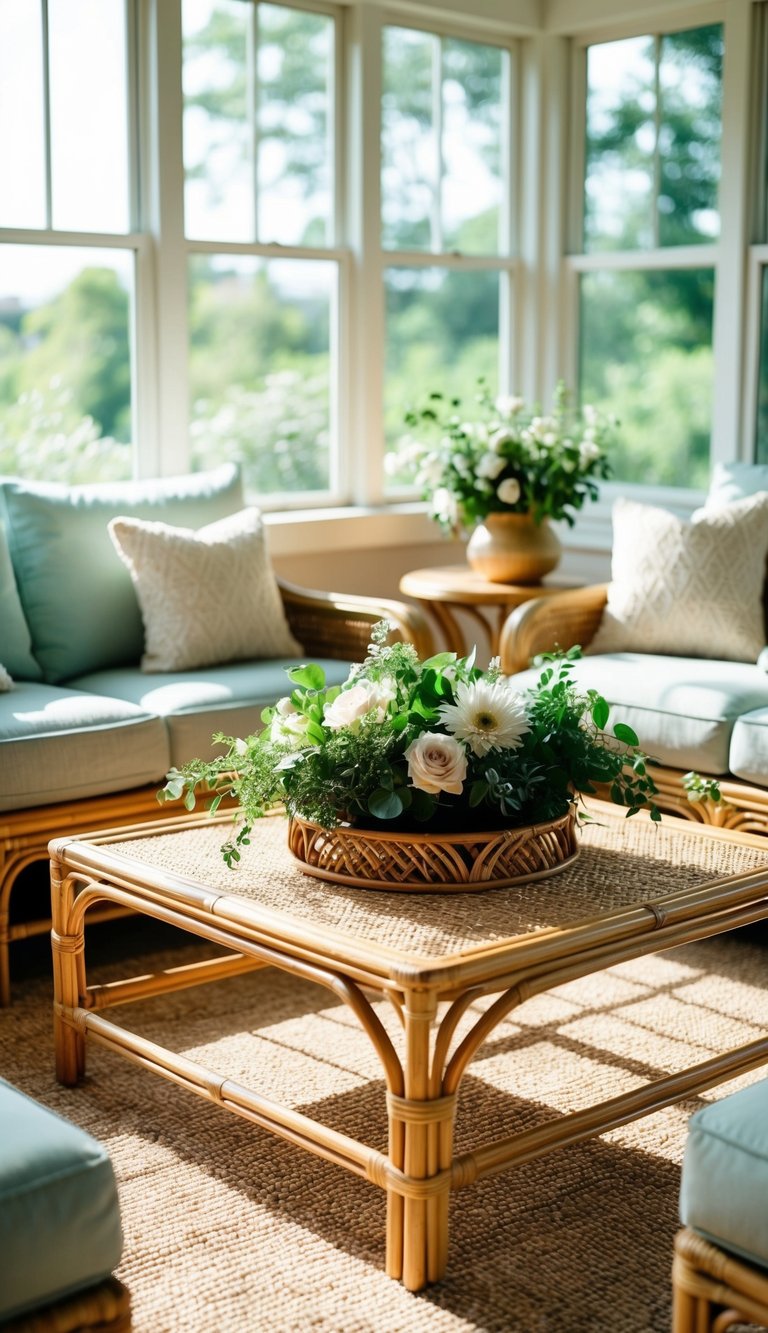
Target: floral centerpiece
{"x": 501, "y": 471}
{"x": 504, "y": 457}
{"x": 422, "y": 747}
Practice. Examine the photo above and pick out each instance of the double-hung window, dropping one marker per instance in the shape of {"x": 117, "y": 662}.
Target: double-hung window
{"x": 260, "y": 204}
{"x": 645, "y": 244}
{"x": 447, "y": 127}
{"x": 68, "y": 247}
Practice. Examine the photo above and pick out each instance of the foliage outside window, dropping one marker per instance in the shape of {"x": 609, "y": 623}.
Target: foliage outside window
{"x": 445, "y": 197}
{"x": 652, "y": 165}
{"x": 66, "y": 375}
{"x": 258, "y": 154}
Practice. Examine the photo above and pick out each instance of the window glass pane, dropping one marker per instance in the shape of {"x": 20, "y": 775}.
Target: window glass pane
{"x": 259, "y": 369}
{"x": 442, "y": 334}
{"x": 218, "y": 129}
{"x": 646, "y": 355}
{"x": 22, "y": 131}
{"x": 621, "y": 136}
{"x": 690, "y": 79}
{"x": 295, "y": 68}
{"x": 409, "y": 149}
{"x": 653, "y": 140}
{"x": 761, "y": 427}
{"x": 89, "y": 115}
{"x": 472, "y": 139}
{"x": 443, "y": 122}
{"x": 65, "y": 363}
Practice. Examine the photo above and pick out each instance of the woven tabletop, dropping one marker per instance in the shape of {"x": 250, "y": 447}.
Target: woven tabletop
{"x": 622, "y": 862}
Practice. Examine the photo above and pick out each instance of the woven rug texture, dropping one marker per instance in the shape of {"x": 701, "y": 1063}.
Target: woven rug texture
{"x": 229, "y": 1228}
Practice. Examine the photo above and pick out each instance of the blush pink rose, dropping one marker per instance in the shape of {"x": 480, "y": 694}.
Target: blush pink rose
{"x": 436, "y": 763}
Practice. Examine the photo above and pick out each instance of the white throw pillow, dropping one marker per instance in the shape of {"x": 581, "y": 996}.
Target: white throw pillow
{"x": 5, "y": 680}
{"x": 206, "y": 597}
{"x": 688, "y": 589}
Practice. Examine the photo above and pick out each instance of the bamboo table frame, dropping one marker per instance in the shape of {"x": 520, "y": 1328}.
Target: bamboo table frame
{"x": 423, "y": 1071}
{"x": 446, "y": 589}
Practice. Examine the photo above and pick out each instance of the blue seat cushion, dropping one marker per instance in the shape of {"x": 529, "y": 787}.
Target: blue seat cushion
{"x": 61, "y": 744}
{"x": 59, "y": 1212}
{"x": 724, "y": 1182}
{"x": 195, "y": 704}
{"x": 683, "y": 709}
{"x": 749, "y": 747}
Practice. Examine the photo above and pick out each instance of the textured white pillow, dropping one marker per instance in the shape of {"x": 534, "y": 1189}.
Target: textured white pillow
{"x": 206, "y": 597}
{"x": 689, "y": 589}
{"x": 5, "y": 680}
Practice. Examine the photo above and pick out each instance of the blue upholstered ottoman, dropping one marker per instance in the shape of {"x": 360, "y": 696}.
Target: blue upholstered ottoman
{"x": 721, "y": 1257}
{"x": 60, "y": 1228}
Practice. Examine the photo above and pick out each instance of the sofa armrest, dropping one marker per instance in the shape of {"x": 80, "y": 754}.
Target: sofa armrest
{"x": 331, "y": 624}
{"x": 545, "y": 623}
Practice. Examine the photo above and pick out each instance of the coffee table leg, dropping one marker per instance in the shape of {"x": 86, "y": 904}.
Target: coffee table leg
{"x": 421, "y": 1145}
{"x": 68, "y": 966}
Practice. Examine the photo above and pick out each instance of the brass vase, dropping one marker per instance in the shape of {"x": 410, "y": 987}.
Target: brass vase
{"x": 512, "y": 548}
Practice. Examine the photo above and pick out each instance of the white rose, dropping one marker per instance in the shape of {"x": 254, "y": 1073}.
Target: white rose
{"x": 499, "y": 439}
{"x": 430, "y": 471}
{"x": 588, "y": 452}
{"x": 444, "y": 506}
{"x": 508, "y": 491}
{"x": 506, "y": 405}
{"x": 288, "y": 724}
{"x": 490, "y": 465}
{"x": 351, "y": 705}
{"x": 436, "y": 763}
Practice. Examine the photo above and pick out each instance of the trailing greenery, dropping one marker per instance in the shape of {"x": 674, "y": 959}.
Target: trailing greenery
{"x": 424, "y": 745}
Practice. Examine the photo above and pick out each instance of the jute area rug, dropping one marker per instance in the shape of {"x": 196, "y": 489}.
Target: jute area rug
{"x": 228, "y": 1228}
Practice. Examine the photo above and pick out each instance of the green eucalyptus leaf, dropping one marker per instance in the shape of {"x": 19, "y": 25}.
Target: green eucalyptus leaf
{"x": 625, "y": 734}
{"x": 600, "y": 713}
{"x": 310, "y": 676}
{"x": 384, "y": 804}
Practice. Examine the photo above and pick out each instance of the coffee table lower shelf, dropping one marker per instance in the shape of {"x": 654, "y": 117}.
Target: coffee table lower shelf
{"x": 432, "y": 996}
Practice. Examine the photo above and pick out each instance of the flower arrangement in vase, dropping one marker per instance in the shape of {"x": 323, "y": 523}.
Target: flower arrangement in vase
{"x": 423, "y": 747}
{"x": 503, "y": 471}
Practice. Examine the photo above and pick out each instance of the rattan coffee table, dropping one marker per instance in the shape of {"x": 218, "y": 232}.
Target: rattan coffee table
{"x": 452, "y": 965}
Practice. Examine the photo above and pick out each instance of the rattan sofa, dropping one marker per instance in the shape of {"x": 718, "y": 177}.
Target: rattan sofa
{"x": 691, "y": 714}
{"x": 86, "y": 736}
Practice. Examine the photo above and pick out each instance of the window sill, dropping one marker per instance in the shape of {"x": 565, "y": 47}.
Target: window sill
{"x": 313, "y": 531}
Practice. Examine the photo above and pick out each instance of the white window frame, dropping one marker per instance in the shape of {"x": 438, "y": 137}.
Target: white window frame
{"x": 734, "y": 343}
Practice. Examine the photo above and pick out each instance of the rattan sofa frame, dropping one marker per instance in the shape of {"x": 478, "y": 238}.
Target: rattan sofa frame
{"x": 327, "y": 624}
{"x": 713, "y": 1290}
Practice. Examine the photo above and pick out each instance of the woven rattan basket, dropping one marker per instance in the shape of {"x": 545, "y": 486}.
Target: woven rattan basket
{"x": 433, "y": 862}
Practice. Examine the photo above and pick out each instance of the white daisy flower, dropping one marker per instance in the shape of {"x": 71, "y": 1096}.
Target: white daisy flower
{"x": 486, "y": 715}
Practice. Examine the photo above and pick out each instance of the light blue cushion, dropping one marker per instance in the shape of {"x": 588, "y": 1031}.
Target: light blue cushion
{"x": 735, "y": 481}
{"x": 61, "y": 744}
{"x": 15, "y": 641}
{"x": 749, "y": 747}
{"x": 195, "y": 704}
{"x": 683, "y": 709}
{"x": 724, "y": 1182}
{"x": 59, "y": 1212}
{"x": 77, "y": 594}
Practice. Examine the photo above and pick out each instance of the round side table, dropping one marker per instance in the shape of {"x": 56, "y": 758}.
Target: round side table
{"x": 444, "y": 590}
